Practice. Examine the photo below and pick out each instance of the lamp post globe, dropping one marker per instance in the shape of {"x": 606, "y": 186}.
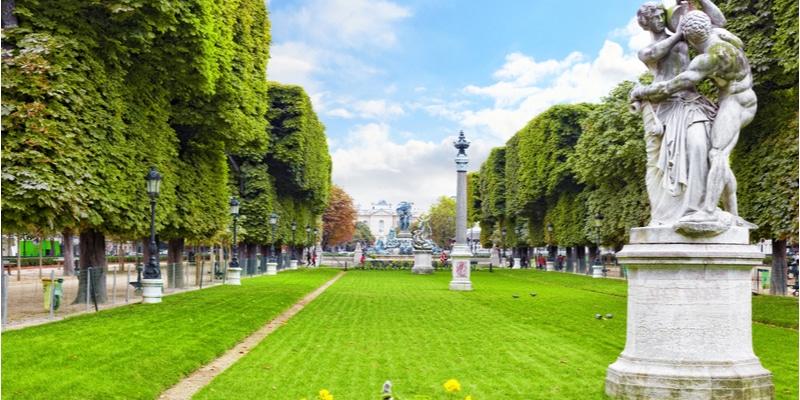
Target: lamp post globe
{"x": 153, "y": 179}
{"x": 273, "y": 221}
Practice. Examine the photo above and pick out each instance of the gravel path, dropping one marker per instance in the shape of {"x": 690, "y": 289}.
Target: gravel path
{"x": 190, "y": 385}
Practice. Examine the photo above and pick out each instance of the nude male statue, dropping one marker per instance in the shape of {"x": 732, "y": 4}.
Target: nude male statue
{"x": 720, "y": 58}
{"x": 677, "y": 127}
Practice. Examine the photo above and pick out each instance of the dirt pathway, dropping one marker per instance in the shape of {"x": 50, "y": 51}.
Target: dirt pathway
{"x": 190, "y": 385}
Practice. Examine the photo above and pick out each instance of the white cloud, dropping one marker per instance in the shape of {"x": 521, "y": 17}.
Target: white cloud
{"x": 527, "y": 87}
{"x": 294, "y": 63}
{"x": 346, "y": 23}
{"x": 373, "y": 167}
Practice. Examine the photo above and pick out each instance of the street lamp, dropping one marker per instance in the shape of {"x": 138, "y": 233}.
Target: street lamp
{"x": 308, "y": 244}
{"x": 234, "y": 248}
{"x": 550, "y": 229}
{"x": 316, "y": 231}
{"x": 273, "y": 221}
{"x": 517, "y": 230}
{"x": 598, "y": 267}
{"x": 294, "y": 228}
{"x": 153, "y": 178}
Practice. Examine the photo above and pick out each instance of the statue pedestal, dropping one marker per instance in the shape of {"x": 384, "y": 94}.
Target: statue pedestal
{"x": 293, "y": 264}
{"x": 517, "y": 263}
{"x": 272, "y": 268}
{"x": 461, "y": 269}
{"x": 597, "y": 271}
{"x": 689, "y": 319}
{"x": 151, "y": 290}
{"x": 234, "y": 276}
{"x": 422, "y": 262}
{"x": 551, "y": 265}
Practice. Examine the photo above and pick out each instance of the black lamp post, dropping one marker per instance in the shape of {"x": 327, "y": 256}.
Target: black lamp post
{"x": 294, "y": 228}
{"x": 598, "y": 223}
{"x": 517, "y": 230}
{"x": 234, "y": 247}
{"x": 273, "y": 221}
{"x": 316, "y": 231}
{"x": 308, "y": 243}
{"x": 550, "y": 229}
{"x": 153, "y": 178}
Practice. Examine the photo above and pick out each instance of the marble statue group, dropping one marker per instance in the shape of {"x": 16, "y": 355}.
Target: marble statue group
{"x": 689, "y": 139}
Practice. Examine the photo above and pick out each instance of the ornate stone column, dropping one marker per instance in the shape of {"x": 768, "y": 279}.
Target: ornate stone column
{"x": 461, "y": 255}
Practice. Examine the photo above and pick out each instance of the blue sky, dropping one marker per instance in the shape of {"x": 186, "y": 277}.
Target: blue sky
{"x": 395, "y": 81}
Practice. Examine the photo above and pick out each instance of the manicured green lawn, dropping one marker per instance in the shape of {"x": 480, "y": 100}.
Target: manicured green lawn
{"x": 138, "y": 351}
{"x": 373, "y": 326}
{"x": 369, "y": 327}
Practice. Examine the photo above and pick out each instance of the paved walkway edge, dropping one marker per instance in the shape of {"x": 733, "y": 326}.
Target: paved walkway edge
{"x": 190, "y": 385}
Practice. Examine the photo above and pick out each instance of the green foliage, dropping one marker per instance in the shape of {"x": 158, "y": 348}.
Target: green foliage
{"x": 769, "y": 29}
{"x": 293, "y": 177}
{"x": 117, "y": 82}
{"x": 362, "y": 235}
{"x": 493, "y": 186}
{"x": 765, "y": 163}
{"x": 442, "y": 221}
{"x": 474, "y": 200}
{"x": 610, "y": 159}
{"x": 543, "y": 176}
{"x": 765, "y": 159}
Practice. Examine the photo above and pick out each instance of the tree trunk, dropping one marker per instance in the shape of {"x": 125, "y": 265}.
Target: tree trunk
{"x": 175, "y": 263}
{"x": 93, "y": 255}
{"x": 68, "y": 253}
{"x": 580, "y": 253}
{"x": 593, "y": 254}
{"x": 778, "y": 276}
{"x": 570, "y": 259}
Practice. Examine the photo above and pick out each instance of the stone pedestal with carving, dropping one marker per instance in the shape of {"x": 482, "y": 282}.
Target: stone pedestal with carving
{"x": 422, "y": 262}
{"x": 689, "y": 319}
{"x": 459, "y": 258}
{"x": 151, "y": 290}
{"x": 234, "y": 276}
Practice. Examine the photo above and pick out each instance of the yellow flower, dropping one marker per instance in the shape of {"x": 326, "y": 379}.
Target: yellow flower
{"x": 452, "y": 386}
{"x": 324, "y": 394}
{"x": 468, "y": 398}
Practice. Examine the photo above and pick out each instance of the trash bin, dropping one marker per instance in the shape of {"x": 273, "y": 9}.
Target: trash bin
{"x": 764, "y": 274}
{"x": 57, "y": 293}
{"x": 47, "y": 283}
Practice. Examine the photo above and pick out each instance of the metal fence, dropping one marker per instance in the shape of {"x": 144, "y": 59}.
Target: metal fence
{"x": 37, "y": 295}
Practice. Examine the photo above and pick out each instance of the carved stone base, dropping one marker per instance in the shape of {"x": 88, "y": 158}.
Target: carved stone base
{"x": 422, "y": 262}
{"x": 461, "y": 268}
{"x": 689, "y": 329}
